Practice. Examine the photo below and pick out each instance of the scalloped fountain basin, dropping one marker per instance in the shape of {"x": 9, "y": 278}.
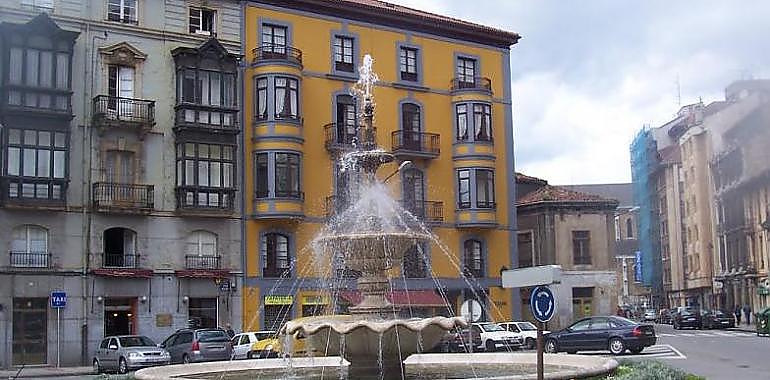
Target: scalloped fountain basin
{"x": 371, "y": 250}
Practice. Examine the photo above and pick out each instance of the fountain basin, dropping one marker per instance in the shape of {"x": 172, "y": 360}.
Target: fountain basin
{"x": 371, "y": 251}
{"x": 247, "y": 369}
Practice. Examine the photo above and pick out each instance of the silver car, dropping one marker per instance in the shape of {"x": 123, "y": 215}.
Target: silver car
{"x": 198, "y": 345}
{"x": 128, "y": 352}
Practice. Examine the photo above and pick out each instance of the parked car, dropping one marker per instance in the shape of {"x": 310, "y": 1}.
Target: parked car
{"x": 198, "y": 345}
{"x": 494, "y": 337}
{"x": 616, "y": 334}
{"x": 649, "y": 315}
{"x": 687, "y": 318}
{"x": 664, "y": 317}
{"x": 459, "y": 340}
{"x": 717, "y": 319}
{"x": 526, "y": 330}
{"x": 243, "y": 343}
{"x": 128, "y": 352}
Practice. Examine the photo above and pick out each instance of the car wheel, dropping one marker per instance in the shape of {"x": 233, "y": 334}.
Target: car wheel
{"x": 636, "y": 351}
{"x": 530, "y": 343}
{"x": 550, "y": 346}
{"x": 122, "y": 366}
{"x": 97, "y": 366}
{"x": 616, "y": 346}
{"x": 250, "y": 355}
{"x": 676, "y": 326}
{"x": 185, "y": 359}
{"x": 490, "y": 346}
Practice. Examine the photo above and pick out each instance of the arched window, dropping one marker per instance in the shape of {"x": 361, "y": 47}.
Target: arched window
{"x": 120, "y": 248}
{"x": 415, "y": 262}
{"x": 411, "y": 126}
{"x": 414, "y": 192}
{"x": 201, "y": 250}
{"x": 29, "y": 247}
{"x": 274, "y": 248}
{"x": 629, "y": 229}
{"x": 473, "y": 258}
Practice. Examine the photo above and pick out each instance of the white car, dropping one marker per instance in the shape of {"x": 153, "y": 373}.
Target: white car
{"x": 494, "y": 337}
{"x": 526, "y": 330}
{"x": 242, "y": 342}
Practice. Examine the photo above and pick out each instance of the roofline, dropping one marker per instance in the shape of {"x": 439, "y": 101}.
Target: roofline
{"x": 438, "y": 25}
{"x": 595, "y": 204}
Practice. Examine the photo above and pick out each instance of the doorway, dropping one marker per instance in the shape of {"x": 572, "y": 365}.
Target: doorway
{"x": 30, "y": 331}
{"x": 119, "y": 316}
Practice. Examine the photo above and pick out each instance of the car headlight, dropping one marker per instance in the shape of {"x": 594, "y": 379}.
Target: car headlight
{"x": 134, "y": 355}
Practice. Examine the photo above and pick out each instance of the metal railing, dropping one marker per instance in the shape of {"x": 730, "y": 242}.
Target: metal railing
{"x": 422, "y": 142}
{"x": 277, "y": 52}
{"x": 202, "y": 262}
{"x": 117, "y": 109}
{"x": 119, "y": 260}
{"x": 123, "y": 195}
{"x": 474, "y": 83}
{"x": 338, "y": 136}
{"x": 24, "y": 259}
{"x": 429, "y": 211}
{"x": 205, "y": 198}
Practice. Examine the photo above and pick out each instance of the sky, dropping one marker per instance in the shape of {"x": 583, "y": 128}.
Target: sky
{"x": 588, "y": 75}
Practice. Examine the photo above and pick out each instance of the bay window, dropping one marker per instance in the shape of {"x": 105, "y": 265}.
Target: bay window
{"x": 286, "y": 98}
{"x": 205, "y": 174}
{"x": 475, "y": 128}
{"x": 214, "y": 94}
{"x": 36, "y": 166}
{"x": 475, "y": 188}
{"x": 277, "y": 175}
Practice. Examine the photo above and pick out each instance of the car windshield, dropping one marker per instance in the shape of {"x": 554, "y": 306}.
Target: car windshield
{"x": 623, "y": 321}
{"x": 491, "y": 327}
{"x": 213, "y": 336}
{"x": 265, "y": 335}
{"x": 135, "y": 341}
{"x": 719, "y": 313}
{"x": 526, "y": 326}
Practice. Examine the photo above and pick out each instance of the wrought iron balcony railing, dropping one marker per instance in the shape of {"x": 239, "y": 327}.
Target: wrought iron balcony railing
{"x": 119, "y": 260}
{"x": 339, "y": 136}
{"x": 421, "y": 143}
{"x": 115, "y": 110}
{"x": 202, "y": 262}
{"x": 24, "y": 259}
{"x": 123, "y": 195}
{"x": 277, "y": 52}
{"x": 471, "y": 83}
{"x": 205, "y": 198}
{"x": 428, "y": 211}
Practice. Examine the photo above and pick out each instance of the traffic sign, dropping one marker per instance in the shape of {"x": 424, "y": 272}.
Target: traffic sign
{"x": 542, "y": 304}
{"x": 58, "y": 300}
{"x": 471, "y": 310}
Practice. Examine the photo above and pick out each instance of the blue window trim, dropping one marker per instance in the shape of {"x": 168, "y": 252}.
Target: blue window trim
{"x": 271, "y": 171}
{"x": 356, "y": 53}
{"x": 271, "y": 99}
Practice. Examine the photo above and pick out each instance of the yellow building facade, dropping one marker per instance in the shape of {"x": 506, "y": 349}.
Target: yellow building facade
{"x": 443, "y": 102}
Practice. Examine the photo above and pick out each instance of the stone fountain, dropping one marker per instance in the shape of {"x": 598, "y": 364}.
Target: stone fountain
{"x": 371, "y": 237}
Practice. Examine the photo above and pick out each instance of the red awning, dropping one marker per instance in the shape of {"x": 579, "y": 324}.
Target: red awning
{"x": 405, "y": 298}
{"x": 203, "y": 273}
{"x": 123, "y": 272}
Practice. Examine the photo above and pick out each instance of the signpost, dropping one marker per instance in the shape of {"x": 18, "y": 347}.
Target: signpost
{"x": 542, "y": 304}
{"x": 58, "y": 302}
{"x": 471, "y": 311}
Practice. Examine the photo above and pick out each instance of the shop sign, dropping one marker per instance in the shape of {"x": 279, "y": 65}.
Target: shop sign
{"x": 279, "y": 300}
{"x": 762, "y": 291}
{"x": 315, "y": 300}
{"x": 163, "y": 320}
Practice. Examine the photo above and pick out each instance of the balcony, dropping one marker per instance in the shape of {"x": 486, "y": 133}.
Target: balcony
{"x": 123, "y": 197}
{"x": 23, "y": 259}
{"x": 475, "y": 84}
{"x": 338, "y": 137}
{"x": 409, "y": 144}
{"x": 208, "y": 200}
{"x": 202, "y": 262}
{"x": 33, "y": 193}
{"x": 280, "y": 53}
{"x": 123, "y": 113}
{"x": 119, "y": 260}
{"x": 426, "y": 211}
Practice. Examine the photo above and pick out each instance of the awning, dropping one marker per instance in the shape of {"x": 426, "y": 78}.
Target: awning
{"x": 404, "y": 298}
{"x": 123, "y": 272}
{"x": 203, "y": 273}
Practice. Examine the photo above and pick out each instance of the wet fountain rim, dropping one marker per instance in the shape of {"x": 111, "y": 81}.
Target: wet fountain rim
{"x": 341, "y": 324}
{"x": 378, "y": 235}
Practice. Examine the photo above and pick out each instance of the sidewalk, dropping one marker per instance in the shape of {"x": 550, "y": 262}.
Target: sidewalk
{"x": 745, "y": 328}
{"x": 44, "y": 372}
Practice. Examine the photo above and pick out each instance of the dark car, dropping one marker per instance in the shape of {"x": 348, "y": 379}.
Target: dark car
{"x": 665, "y": 317}
{"x": 616, "y": 334}
{"x": 717, "y": 319}
{"x": 458, "y": 340}
{"x": 198, "y": 345}
{"x": 687, "y": 318}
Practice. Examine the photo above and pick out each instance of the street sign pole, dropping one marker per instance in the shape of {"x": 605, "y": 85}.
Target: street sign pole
{"x": 540, "y": 350}
{"x": 543, "y": 305}
{"x": 58, "y": 337}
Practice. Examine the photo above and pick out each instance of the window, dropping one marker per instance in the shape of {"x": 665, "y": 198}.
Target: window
{"x": 274, "y": 249}
{"x": 581, "y": 241}
{"x": 205, "y": 175}
{"x": 203, "y": 311}
{"x": 202, "y": 21}
{"x": 480, "y": 125}
{"x": 207, "y": 88}
{"x": 36, "y": 164}
{"x": 119, "y": 166}
{"x": 526, "y": 249}
{"x": 408, "y": 64}
{"x": 462, "y": 121}
{"x": 473, "y": 259}
{"x": 415, "y": 262}
{"x": 261, "y": 101}
{"x": 45, "y": 4}
{"x": 466, "y": 72}
{"x": 485, "y": 188}
{"x": 413, "y": 190}
{"x": 201, "y": 243}
{"x": 347, "y": 120}
{"x": 39, "y": 77}
{"x": 581, "y": 325}
{"x": 411, "y": 126}
{"x": 285, "y": 169}
{"x": 120, "y": 248}
{"x": 629, "y": 229}
{"x": 343, "y": 53}
{"x": 476, "y": 188}
{"x": 582, "y": 302}
{"x": 274, "y": 39}
{"x": 286, "y": 98}
{"x": 29, "y": 247}
{"x": 122, "y": 11}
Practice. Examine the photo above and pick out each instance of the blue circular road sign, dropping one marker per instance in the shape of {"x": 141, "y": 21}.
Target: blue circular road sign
{"x": 542, "y": 304}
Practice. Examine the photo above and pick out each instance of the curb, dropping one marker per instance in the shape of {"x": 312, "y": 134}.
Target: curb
{"x": 37, "y": 373}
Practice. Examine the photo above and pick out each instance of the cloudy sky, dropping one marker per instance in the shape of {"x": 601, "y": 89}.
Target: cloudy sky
{"x": 588, "y": 74}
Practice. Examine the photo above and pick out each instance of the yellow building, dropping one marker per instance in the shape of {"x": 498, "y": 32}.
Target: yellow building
{"x": 443, "y": 101}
